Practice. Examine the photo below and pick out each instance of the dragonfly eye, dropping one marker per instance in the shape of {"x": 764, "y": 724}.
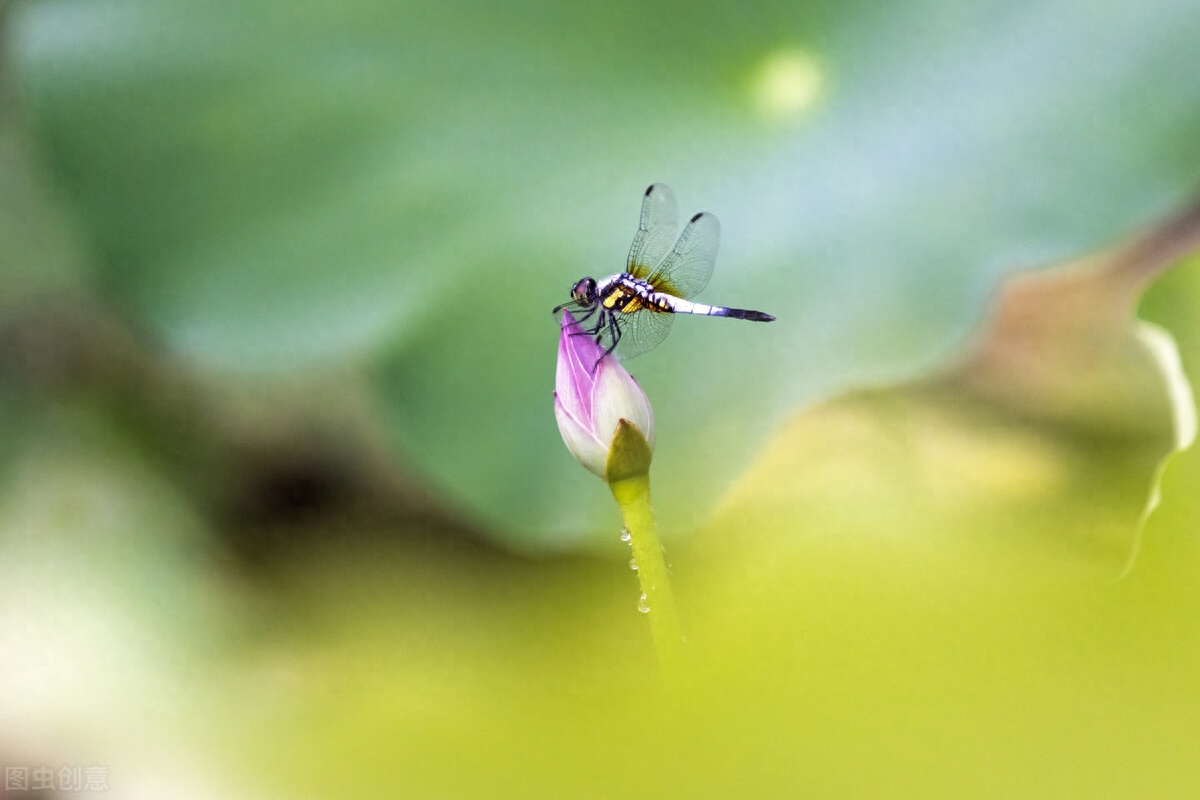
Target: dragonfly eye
{"x": 584, "y": 291}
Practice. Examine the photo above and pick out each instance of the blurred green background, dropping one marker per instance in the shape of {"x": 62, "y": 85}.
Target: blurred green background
{"x": 284, "y": 510}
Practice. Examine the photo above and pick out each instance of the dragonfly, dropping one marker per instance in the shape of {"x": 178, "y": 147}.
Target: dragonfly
{"x": 631, "y": 312}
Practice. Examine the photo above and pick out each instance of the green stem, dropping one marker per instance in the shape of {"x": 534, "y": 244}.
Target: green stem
{"x": 633, "y": 495}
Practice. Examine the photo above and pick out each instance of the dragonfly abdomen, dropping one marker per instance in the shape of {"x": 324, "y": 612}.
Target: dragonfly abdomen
{"x": 688, "y": 307}
{"x": 741, "y": 313}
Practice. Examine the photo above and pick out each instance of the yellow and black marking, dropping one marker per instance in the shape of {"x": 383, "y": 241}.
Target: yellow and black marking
{"x": 628, "y": 295}
{"x": 617, "y": 297}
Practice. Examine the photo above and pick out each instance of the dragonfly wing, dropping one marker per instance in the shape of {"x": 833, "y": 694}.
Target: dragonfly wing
{"x": 641, "y": 331}
{"x": 656, "y": 231}
{"x": 686, "y": 269}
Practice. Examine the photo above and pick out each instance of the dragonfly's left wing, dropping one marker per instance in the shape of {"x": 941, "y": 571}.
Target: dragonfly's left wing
{"x": 643, "y": 331}
{"x": 656, "y": 231}
{"x": 686, "y": 270}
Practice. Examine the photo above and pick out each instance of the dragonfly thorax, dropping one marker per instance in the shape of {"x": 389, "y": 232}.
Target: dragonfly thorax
{"x": 616, "y": 292}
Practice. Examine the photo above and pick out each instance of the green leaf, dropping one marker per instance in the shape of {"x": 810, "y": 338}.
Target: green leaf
{"x": 40, "y": 254}
{"x": 417, "y": 185}
{"x": 1168, "y": 557}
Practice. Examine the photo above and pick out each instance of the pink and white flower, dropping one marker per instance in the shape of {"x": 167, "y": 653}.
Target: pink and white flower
{"x": 593, "y": 392}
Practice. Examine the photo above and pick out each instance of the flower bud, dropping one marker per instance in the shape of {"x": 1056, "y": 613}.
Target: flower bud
{"x": 592, "y": 394}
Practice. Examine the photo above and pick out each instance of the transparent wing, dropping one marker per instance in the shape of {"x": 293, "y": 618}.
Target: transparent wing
{"x": 656, "y": 231}
{"x": 642, "y": 331}
{"x": 686, "y": 270}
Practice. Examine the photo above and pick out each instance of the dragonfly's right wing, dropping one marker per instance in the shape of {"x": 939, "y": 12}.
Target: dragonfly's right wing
{"x": 656, "y": 231}
{"x": 687, "y": 269}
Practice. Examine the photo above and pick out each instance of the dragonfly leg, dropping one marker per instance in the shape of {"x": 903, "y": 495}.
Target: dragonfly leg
{"x": 596, "y": 330}
{"x": 585, "y": 318}
{"x": 614, "y": 332}
{"x": 600, "y": 322}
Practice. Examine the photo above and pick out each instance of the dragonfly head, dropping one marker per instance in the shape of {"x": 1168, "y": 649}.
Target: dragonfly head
{"x": 584, "y": 292}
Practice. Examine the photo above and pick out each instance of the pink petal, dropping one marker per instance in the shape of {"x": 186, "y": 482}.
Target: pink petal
{"x": 583, "y": 444}
{"x": 575, "y": 378}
